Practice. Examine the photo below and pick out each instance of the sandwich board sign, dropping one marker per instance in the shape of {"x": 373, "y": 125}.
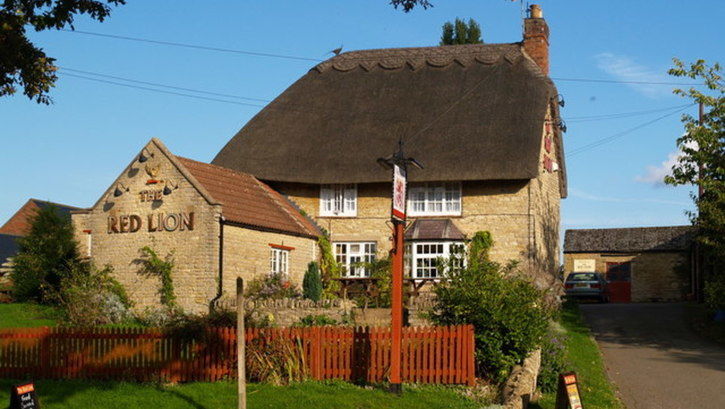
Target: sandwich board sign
{"x": 23, "y": 396}
{"x": 567, "y": 395}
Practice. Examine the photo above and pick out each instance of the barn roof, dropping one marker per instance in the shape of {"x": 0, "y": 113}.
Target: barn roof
{"x": 19, "y": 223}
{"x": 635, "y": 239}
{"x": 467, "y": 112}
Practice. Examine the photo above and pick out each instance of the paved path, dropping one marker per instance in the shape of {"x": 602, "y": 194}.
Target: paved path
{"x": 653, "y": 357}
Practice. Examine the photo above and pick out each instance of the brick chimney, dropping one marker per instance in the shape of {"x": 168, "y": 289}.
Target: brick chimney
{"x": 536, "y": 37}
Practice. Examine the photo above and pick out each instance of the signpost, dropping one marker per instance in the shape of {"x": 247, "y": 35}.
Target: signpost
{"x": 241, "y": 353}
{"x": 398, "y": 163}
{"x": 23, "y": 396}
{"x": 567, "y": 395}
{"x": 398, "y": 219}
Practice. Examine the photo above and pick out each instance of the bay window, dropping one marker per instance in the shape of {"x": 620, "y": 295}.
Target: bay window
{"x": 338, "y": 200}
{"x": 351, "y": 256}
{"x": 434, "y": 199}
{"x": 430, "y": 259}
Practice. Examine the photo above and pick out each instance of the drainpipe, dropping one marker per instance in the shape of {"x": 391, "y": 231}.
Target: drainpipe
{"x": 220, "y": 287}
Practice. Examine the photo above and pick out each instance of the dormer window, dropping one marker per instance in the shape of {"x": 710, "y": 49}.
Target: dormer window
{"x": 338, "y": 200}
{"x": 434, "y": 199}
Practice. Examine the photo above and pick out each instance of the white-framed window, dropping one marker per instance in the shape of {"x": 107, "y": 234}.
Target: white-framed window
{"x": 350, "y": 255}
{"x": 434, "y": 199}
{"x": 338, "y": 200}
{"x": 430, "y": 259}
{"x": 278, "y": 260}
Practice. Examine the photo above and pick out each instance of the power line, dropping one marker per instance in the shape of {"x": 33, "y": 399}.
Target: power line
{"x": 620, "y": 115}
{"x": 624, "y": 82}
{"x": 155, "y": 84}
{"x": 159, "y": 90}
{"x": 620, "y": 134}
{"x": 194, "y": 46}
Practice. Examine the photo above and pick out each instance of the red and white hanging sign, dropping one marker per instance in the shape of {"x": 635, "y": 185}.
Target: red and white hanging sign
{"x": 399, "y": 186}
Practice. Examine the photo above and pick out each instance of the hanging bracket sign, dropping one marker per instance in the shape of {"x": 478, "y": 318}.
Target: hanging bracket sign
{"x": 23, "y": 396}
{"x": 399, "y": 191}
{"x": 567, "y": 396}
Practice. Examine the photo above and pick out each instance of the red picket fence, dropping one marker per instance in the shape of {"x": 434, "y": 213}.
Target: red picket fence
{"x": 442, "y": 355}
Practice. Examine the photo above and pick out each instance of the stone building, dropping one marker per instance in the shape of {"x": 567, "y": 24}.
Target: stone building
{"x": 18, "y": 225}
{"x": 482, "y": 119}
{"x": 219, "y": 224}
{"x": 641, "y": 263}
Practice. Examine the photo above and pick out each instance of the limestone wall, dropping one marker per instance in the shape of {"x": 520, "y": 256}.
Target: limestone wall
{"x": 247, "y": 253}
{"x": 116, "y": 239}
{"x": 656, "y": 276}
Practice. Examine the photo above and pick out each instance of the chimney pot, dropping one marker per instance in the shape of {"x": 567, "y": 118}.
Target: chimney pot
{"x": 536, "y": 11}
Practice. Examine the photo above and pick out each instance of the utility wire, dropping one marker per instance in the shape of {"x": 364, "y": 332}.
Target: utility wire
{"x": 195, "y": 46}
{"x": 155, "y": 84}
{"x": 604, "y": 81}
{"x": 292, "y": 57}
{"x": 608, "y": 139}
{"x": 161, "y": 91}
{"x": 620, "y": 115}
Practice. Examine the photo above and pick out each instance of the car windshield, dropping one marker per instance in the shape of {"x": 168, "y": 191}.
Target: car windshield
{"x": 582, "y": 277}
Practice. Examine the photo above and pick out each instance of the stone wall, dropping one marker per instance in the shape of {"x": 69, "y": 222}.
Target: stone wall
{"x": 520, "y": 388}
{"x": 247, "y": 252}
{"x": 656, "y": 276}
{"x": 195, "y": 250}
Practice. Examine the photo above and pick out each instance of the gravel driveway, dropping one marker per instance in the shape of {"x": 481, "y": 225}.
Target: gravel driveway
{"x": 655, "y": 360}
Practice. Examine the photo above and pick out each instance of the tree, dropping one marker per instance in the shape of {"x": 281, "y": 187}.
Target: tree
{"x": 408, "y": 5}
{"x": 312, "y": 282}
{"x": 45, "y": 257}
{"x": 702, "y": 163}
{"x": 460, "y": 32}
{"x": 22, "y": 63}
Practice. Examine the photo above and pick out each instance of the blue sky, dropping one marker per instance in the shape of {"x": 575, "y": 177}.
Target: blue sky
{"x": 69, "y": 152}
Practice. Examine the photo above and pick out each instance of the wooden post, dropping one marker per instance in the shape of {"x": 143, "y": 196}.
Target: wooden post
{"x": 397, "y": 308}
{"x": 241, "y": 355}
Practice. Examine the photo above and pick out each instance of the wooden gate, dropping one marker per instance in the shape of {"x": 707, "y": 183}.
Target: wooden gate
{"x": 619, "y": 276}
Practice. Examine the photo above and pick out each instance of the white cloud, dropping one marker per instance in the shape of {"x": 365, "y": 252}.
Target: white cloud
{"x": 655, "y": 175}
{"x": 624, "y": 68}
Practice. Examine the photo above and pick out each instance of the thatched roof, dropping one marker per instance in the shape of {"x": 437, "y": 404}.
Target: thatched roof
{"x": 625, "y": 240}
{"x": 467, "y": 112}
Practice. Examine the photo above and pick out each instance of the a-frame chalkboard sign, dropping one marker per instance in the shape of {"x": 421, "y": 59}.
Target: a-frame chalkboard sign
{"x": 567, "y": 396}
{"x": 23, "y": 396}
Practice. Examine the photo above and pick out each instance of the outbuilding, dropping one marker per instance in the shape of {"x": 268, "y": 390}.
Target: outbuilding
{"x": 216, "y": 223}
{"x": 641, "y": 263}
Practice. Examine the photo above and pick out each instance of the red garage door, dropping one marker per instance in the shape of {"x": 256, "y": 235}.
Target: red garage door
{"x": 619, "y": 276}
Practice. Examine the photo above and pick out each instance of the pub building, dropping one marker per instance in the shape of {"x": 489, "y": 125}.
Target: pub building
{"x": 219, "y": 224}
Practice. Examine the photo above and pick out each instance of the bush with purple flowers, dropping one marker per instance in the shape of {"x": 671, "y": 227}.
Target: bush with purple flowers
{"x": 553, "y": 360}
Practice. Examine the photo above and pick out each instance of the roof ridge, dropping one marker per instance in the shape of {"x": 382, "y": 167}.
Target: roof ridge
{"x": 216, "y": 166}
{"x": 32, "y": 199}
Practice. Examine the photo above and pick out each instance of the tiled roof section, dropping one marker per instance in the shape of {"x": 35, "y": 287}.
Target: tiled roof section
{"x": 635, "y": 239}
{"x": 417, "y": 57}
{"x": 248, "y": 201}
{"x": 8, "y": 247}
{"x": 19, "y": 223}
{"x": 433, "y": 229}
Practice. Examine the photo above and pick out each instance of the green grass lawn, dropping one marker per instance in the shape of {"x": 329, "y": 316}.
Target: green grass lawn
{"x": 585, "y": 359}
{"x": 313, "y": 395}
{"x": 26, "y": 315}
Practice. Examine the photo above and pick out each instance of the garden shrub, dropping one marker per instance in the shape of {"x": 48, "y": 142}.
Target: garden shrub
{"x": 271, "y": 286}
{"x": 315, "y": 321}
{"x": 312, "y": 282}
{"x": 152, "y": 265}
{"x": 277, "y": 361}
{"x": 553, "y": 360}
{"x": 89, "y": 296}
{"x": 330, "y": 269}
{"x": 45, "y": 256}
{"x": 507, "y": 312}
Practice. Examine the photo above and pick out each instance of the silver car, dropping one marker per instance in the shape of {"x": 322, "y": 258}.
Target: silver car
{"x": 587, "y": 285}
